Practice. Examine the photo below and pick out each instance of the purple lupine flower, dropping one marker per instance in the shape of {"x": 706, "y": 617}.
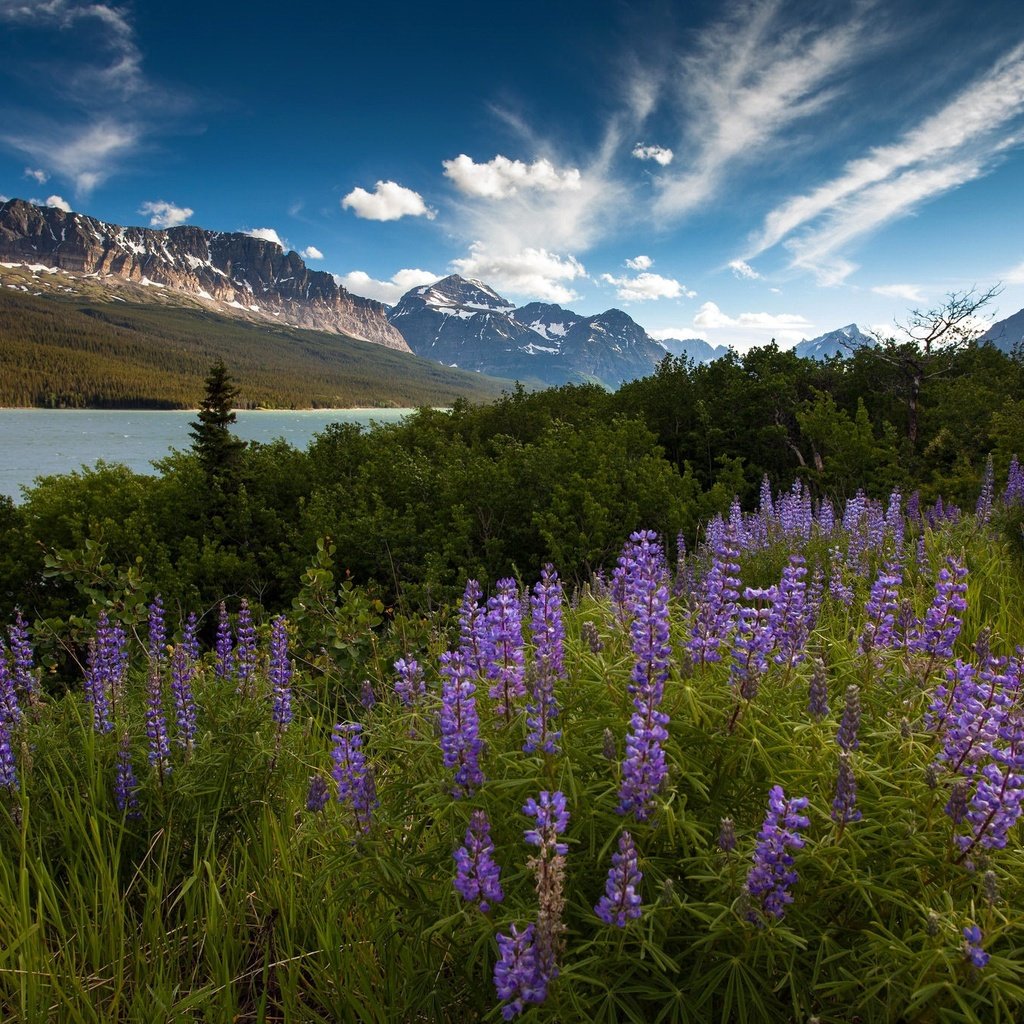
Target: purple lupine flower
{"x": 849, "y": 724}
{"x": 717, "y": 594}
{"x": 182, "y": 672}
{"x": 99, "y": 675}
{"x": 590, "y": 636}
{"x": 789, "y": 623}
{"x": 726, "y": 835}
{"x": 26, "y": 679}
{"x": 644, "y": 768}
{"x": 125, "y": 784}
{"x": 826, "y": 517}
{"x": 881, "y": 609}
{"x": 817, "y": 704}
{"x": 245, "y": 647}
{"x": 10, "y": 710}
{"x": 473, "y": 628}
{"x": 943, "y": 620}
{"x": 280, "y": 674}
{"x": 8, "y": 763}
{"x": 751, "y": 645}
{"x": 549, "y": 659}
{"x": 983, "y": 509}
{"x": 355, "y": 780}
{"x": 894, "y": 521}
{"x": 844, "y": 809}
{"x": 551, "y": 819}
{"x": 621, "y": 902}
{"x": 460, "y": 725}
{"x": 367, "y": 694}
{"x": 996, "y": 804}
{"x": 317, "y": 794}
{"x": 972, "y": 947}
{"x": 224, "y": 666}
{"x": 1013, "y": 494}
{"x": 516, "y": 978}
{"x": 477, "y": 874}
{"x": 409, "y": 684}
{"x": 159, "y": 755}
{"x": 190, "y": 637}
{"x": 771, "y": 876}
{"x": 839, "y": 590}
{"x": 157, "y": 631}
{"x": 914, "y": 508}
{"x": 956, "y": 805}
{"x": 503, "y": 656}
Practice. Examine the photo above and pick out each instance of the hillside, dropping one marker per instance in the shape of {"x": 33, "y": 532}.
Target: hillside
{"x": 83, "y": 351}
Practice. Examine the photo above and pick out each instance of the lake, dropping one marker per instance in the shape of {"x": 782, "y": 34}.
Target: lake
{"x": 40, "y": 442}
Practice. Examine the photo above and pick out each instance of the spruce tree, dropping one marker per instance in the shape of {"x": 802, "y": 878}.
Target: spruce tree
{"x": 218, "y": 449}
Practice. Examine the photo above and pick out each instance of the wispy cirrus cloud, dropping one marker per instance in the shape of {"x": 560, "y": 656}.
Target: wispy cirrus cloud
{"x": 907, "y": 292}
{"x": 751, "y": 77}
{"x": 109, "y": 104}
{"x": 960, "y": 142}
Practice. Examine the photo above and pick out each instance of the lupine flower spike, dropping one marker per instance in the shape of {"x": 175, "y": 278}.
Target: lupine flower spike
{"x": 460, "y": 726}
{"x": 621, "y": 901}
{"x": 351, "y": 773}
{"x": 772, "y": 876}
{"x": 477, "y": 875}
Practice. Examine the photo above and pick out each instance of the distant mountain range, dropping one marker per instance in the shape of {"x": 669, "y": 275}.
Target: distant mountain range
{"x": 455, "y": 322}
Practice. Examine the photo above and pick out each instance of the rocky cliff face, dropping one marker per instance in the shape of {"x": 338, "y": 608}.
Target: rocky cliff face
{"x": 235, "y": 272}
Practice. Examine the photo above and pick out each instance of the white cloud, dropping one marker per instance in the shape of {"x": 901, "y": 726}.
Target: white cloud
{"x": 743, "y": 270}
{"x": 388, "y": 201}
{"x": 311, "y": 252}
{"x": 38, "y": 175}
{"x": 87, "y": 156}
{"x": 959, "y": 143}
{"x": 749, "y": 79}
{"x": 673, "y": 334}
{"x": 640, "y": 263}
{"x": 58, "y": 202}
{"x": 908, "y": 292}
{"x": 500, "y": 177}
{"x": 784, "y": 327}
{"x": 268, "y": 235}
{"x": 1015, "y": 275}
{"x": 165, "y": 215}
{"x": 4, "y": 199}
{"x": 647, "y": 286}
{"x": 359, "y": 282}
{"x": 533, "y": 273}
{"x": 659, "y": 154}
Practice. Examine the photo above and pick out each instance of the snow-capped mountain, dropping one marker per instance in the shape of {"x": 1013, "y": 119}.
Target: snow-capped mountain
{"x": 467, "y": 324}
{"x": 697, "y": 350}
{"x": 1005, "y": 334}
{"x": 838, "y": 342}
{"x": 232, "y": 273}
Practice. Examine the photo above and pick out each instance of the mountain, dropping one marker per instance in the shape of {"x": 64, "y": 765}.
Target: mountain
{"x": 466, "y": 324}
{"x": 229, "y": 272}
{"x": 838, "y": 342}
{"x": 695, "y": 349}
{"x": 1006, "y": 333}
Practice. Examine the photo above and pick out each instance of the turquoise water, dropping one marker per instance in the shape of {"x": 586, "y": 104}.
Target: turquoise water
{"x": 40, "y": 442}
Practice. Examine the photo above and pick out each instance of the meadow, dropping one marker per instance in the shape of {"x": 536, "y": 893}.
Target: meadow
{"x": 775, "y": 778}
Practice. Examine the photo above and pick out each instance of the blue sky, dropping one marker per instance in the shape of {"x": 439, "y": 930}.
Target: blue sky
{"x": 732, "y": 171}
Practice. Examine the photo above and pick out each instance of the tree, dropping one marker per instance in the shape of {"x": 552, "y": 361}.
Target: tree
{"x": 219, "y": 451}
{"x": 936, "y": 335}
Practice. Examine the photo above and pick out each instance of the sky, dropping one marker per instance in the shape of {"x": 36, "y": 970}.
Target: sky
{"x": 734, "y": 171}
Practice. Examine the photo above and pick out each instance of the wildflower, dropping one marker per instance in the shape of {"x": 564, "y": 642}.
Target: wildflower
{"x": 26, "y": 679}
{"x": 125, "y": 783}
{"x": 354, "y": 779}
{"x": 590, "y": 636}
{"x": 844, "y": 808}
{"x": 551, "y": 819}
{"x": 717, "y": 594}
{"x": 317, "y": 794}
{"x": 503, "y": 655}
{"x": 549, "y": 641}
{"x": 983, "y": 509}
{"x": 157, "y": 631}
{"x": 182, "y": 671}
{"x": 409, "y": 683}
{"x": 849, "y": 724}
{"x": 750, "y": 648}
{"x": 101, "y": 668}
{"x": 477, "y": 875}
{"x": 789, "y": 623}
{"x": 621, "y": 902}
{"x": 280, "y": 674}
{"x": 881, "y": 609}
{"x": 817, "y": 704}
{"x": 225, "y": 664}
{"x": 472, "y": 628}
{"x": 972, "y": 947}
{"x": 245, "y": 647}
{"x": 156, "y": 724}
{"x": 189, "y": 637}
{"x": 608, "y": 750}
{"x": 771, "y": 875}
{"x": 8, "y": 764}
{"x": 10, "y": 710}
{"x": 1014, "y": 492}
{"x": 726, "y": 835}
{"x": 460, "y": 726}
{"x": 516, "y": 977}
{"x": 944, "y": 617}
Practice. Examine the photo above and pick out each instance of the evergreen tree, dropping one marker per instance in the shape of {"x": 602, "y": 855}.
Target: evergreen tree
{"x": 218, "y": 449}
